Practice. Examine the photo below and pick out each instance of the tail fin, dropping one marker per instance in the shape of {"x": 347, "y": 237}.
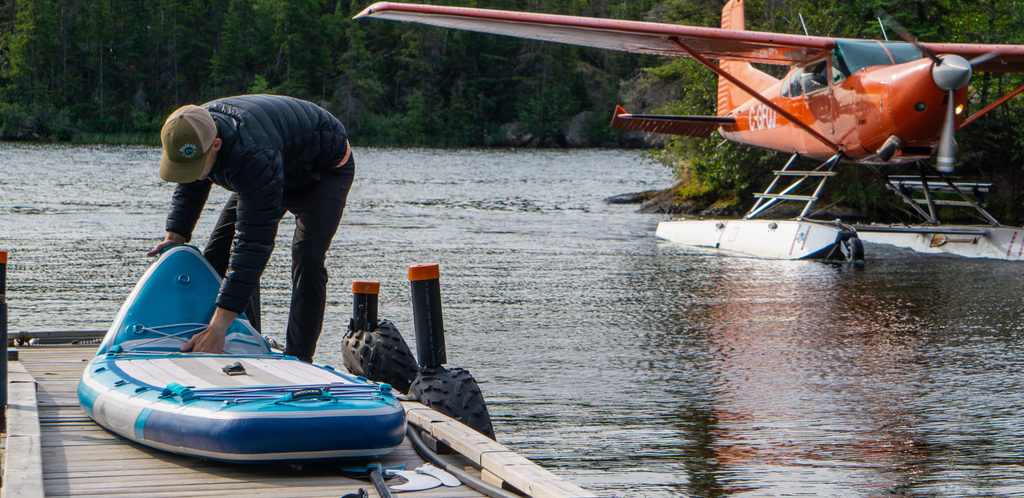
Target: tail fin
{"x": 729, "y": 95}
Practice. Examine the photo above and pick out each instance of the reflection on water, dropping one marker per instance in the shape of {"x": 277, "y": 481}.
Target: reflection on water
{"x": 807, "y": 379}
{"x": 631, "y": 366}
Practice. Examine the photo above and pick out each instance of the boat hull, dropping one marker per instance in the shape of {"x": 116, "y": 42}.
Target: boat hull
{"x": 760, "y": 238}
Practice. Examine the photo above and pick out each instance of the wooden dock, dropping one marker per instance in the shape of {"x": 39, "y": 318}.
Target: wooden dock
{"x": 53, "y": 449}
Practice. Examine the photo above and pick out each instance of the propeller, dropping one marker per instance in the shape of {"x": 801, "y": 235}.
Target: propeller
{"x": 907, "y": 37}
{"x": 950, "y": 73}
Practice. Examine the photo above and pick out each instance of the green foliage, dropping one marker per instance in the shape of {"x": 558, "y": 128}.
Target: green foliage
{"x": 107, "y": 66}
{"x": 716, "y": 169}
{"x": 13, "y": 119}
{"x": 259, "y": 85}
{"x": 80, "y": 68}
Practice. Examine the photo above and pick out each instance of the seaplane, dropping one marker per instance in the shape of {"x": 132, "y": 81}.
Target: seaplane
{"x": 843, "y": 101}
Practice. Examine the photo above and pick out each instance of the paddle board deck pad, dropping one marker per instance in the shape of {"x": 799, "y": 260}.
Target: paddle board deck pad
{"x": 249, "y": 405}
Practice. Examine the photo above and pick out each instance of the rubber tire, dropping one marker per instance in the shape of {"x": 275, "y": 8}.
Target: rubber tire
{"x": 853, "y": 249}
{"x": 380, "y": 355}
{"x": 454, "y": 393}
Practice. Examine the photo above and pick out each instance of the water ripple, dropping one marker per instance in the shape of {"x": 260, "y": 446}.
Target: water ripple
{"x": 633, "y": 367}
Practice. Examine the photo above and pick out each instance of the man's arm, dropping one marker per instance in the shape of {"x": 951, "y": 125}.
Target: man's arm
{"x": 171, "y": 239}
{"x": 212, "y": 339}
{"x": 260, "y": 188}
{"x": 186, "y": 205}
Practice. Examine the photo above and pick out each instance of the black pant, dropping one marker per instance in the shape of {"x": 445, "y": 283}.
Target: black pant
{"x": 317, "y": 209}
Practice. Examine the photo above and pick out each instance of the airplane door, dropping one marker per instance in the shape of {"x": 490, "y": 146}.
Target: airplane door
{"x": 819, "y": 98}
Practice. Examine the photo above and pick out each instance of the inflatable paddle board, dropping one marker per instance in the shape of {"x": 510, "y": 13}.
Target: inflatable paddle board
{"x": 249, "y": 405}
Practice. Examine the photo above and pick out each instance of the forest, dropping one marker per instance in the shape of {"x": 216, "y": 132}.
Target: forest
{"x": 112, "y": 70}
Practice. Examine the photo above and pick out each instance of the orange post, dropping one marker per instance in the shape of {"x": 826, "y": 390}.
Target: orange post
{"x": 364, "y": 304}
{"x": 426, "y": 314}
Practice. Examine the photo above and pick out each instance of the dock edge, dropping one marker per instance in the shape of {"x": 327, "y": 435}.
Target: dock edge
{"x": 491, "y": 456}
{"x": 23, "y": 456}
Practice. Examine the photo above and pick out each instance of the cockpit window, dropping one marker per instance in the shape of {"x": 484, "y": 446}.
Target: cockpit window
{"x": 794, "y": 84}
{"x": 850, "y": 56}
{"x": 814, "y": 77}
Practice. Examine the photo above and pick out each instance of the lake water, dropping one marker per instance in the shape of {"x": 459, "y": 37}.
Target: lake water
{"x": 631, "y": 366}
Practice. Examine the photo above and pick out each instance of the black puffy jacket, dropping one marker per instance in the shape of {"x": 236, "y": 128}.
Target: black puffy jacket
{"x": 270, "y": 144}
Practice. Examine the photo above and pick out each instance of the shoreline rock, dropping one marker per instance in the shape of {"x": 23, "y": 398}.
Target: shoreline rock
{"x": 665, "y": 201}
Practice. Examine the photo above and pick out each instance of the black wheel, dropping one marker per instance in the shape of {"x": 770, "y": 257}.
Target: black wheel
{"x": 454, "y": 393}
{"x": 380, "y": 355}
{"x": 853, "y": 249}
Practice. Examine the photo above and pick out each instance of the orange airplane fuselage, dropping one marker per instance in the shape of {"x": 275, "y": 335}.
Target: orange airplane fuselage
{"x": 863, "y": 101}
{"x": 858, "y": 113}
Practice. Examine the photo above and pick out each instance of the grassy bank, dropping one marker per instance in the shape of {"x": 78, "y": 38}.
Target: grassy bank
{"x": 123, "y": 138}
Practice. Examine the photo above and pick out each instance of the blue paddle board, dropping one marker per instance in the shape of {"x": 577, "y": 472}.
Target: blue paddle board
{"x": 250, "y": 404}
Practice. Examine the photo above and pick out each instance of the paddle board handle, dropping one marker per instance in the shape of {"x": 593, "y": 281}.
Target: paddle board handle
{"x": 364, "y": 304}
{"x": 304, "y": 394}
{"x": 425, "y": 281}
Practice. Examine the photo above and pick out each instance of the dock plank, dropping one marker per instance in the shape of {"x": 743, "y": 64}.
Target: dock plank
{"x": 23, "y": 475}
{"x": 77, "y": 457}
{"x": 81, "y": 459}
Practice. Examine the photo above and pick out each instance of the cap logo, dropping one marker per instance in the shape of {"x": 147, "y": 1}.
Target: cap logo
{"x": 188, "y": 150}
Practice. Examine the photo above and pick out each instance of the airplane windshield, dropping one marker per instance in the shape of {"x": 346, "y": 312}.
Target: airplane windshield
{"x": 850, "y": 56}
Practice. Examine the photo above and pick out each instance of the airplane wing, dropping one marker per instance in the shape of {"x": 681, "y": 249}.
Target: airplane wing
{"x": 687, "y": 126}
{"x": 657, "y": 39}
{"x": 627, "y": 36}
{"x": 998, "y": 58}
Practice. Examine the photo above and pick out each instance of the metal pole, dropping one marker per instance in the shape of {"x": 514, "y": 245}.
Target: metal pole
{"x": 994, "y": 222}
{"x": 3, "y": 334}
{"x": 364, "y": 305}
{"x": 754, "y": 209}
{"x": 23, "y": 337}
{"x": 821, "y": 185}
{"x": 927, "y": 191}
{"x": 907, "y": 199}
{"x": 426, "y": 314}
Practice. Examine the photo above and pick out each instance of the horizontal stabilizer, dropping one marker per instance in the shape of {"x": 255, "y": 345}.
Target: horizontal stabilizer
{"x": 687, "y": 126}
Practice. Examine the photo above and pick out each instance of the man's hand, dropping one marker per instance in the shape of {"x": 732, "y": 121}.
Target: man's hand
{"x": 212, "y": 340}
{"x": 172, "y": 239}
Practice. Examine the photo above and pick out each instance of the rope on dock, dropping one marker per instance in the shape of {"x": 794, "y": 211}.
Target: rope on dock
{"x": 467, "y": 478}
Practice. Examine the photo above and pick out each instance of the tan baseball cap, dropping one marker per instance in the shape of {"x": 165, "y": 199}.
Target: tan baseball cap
{"x": 186, "y": 136}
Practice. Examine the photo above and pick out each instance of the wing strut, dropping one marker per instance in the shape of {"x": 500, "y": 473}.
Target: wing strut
{"x": 754, "y": 93}
{"x": 991, "y": 106}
